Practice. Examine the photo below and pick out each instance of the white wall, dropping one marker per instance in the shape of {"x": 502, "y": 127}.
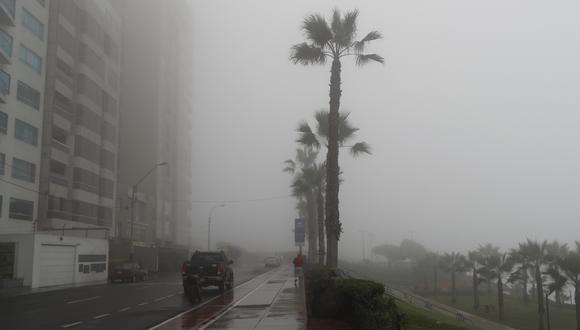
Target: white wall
{"x": 82, "y": 246}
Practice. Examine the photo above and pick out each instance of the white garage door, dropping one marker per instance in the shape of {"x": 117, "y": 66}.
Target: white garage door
{"x": 57, "y": 265}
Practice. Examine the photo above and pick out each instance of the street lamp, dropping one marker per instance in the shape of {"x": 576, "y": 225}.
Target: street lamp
{"x": 209, "y": 225}
{"x": 363, "y": 232}
{"x": 133, "y": 191}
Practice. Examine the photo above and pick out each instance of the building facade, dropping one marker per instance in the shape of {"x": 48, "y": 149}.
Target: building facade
{"x": 155, "y": 127}
{"x": 23, "y": 44}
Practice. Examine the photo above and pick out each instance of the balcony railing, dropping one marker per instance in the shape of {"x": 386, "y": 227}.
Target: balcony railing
{"x": 7, "y": 10}
{"x": 5, "y": 47}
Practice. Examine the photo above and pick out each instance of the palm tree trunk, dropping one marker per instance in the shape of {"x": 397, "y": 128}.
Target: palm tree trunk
{"x": 312, "y": 236}
{"x": 453, "y": 295}
{"x": 500, "y": 296}
{"x": 540, "y": 297}
{"x": 475, "y": 290}
{"x": 333, "y": 227}
{"x": 435, "y": 279}
{"x": 525, "y": 284}
{"x": 320, "y": 216}
{"x": 577, "y": 303}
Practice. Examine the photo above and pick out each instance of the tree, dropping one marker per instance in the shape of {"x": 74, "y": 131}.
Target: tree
{"x": 538, "y": 256}
{"x": 569, "y": 265}
{"x": 333, "y": 42}
{"x": 390, "y": 251}
{"x": 498, "y": 267}
{"x": 556, "y": 251}
{"x": 474, "y": 262}
{"x": 303, "y": 188}
{"x": 486, "y": 251}
{"x": 521, "y": 274}
{"x": 412, "y": 250}
{"x": 453, "y": 263}
{"x": 315, "y": 139}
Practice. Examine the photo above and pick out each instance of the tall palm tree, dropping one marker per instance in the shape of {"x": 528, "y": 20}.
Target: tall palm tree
{"x": 453, "y": 263}
{"x": 474, "y": 262}
{"x": 569, "y": 265}
{"x": 499, "y": 267}
{"x": 538, "y": 254}
{"x": 556, "y": 251}
{"x": 485, "y": 251}
{"x": 522, "y": 259}
{"x": 333, "y": 42}
{"x": 318, "y": 138}
{"x": 304, "y": 190}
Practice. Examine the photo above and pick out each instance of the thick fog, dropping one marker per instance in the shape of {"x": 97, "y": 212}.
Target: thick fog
{"x": 473, "y": 121}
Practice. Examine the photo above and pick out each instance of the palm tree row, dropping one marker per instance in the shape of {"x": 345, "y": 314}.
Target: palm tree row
{"x": 309, "y": 180}
{"x": 549, "y": 266}
{"x": 333, "y": 41}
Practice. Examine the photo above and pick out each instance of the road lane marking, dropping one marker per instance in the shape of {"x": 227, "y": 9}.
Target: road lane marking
{"x": 205, "y": 302}
{"x": 83, "y": 300}
{"x": 165, "y": 297}
{"x": 71, "y": 325}
{"x": 100, "y": 316}
{"x": 143, "y": 303}
{"x": 124, "y": 309}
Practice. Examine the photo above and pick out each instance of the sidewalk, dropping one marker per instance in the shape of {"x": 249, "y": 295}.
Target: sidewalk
{"x": 269, "y": 301}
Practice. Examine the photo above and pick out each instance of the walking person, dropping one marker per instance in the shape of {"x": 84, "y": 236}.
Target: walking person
{"x": 298, "y": 263}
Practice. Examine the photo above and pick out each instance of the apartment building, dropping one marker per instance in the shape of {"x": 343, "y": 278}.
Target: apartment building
{"x": 155, "y": 127}
{"x": 23, "y": 44}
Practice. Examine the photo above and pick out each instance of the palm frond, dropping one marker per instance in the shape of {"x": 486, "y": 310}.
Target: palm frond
{"x": 307, "y": 137}
{"x": 362, "y": 59}
{"x": 306, "y": 54}
{"x": 359, "y": 148}
{"x": 345, "y": 129}
{"x": 359, "y": 46}
{"x": 290, "y": 166}
{"x": 321, "y": 117}
{"x": 317, "y": 30}
{"x": 345, "y": 32}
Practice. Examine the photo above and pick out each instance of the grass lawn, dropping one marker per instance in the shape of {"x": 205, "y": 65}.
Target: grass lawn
{"x": 516, "y": 314}
{"x": 418, "y": 319}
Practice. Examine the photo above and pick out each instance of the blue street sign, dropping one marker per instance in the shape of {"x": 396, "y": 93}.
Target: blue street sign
{"x": 299, "y": 231}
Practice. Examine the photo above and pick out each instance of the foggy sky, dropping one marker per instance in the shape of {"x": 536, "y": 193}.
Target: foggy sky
{"x": 473, "y": 121}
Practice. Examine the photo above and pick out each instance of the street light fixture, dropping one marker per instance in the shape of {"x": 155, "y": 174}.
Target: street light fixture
{"x": 209, "y": 225}
{"x": 133, "y": 195}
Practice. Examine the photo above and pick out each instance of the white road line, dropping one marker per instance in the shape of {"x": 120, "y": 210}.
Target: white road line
{"x": 165, "y": 297}
{"x": 143, "y": 303}
{"x": 71, "y": 325}
{"x": 100, "y": 316}
{"x": 202, "y": 304}
{"x": 83, "y": 300}
{"x": 124, "y": 309}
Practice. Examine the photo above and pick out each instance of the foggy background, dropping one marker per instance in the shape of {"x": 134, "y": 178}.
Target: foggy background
{"x": 473, "y": 121}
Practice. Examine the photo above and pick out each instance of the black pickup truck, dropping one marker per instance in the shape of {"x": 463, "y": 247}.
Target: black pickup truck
{"x": 206, "y": 269}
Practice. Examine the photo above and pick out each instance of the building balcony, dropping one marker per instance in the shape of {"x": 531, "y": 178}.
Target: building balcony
{"x": 7, "y": 10}
{"x": 5, "y": 46}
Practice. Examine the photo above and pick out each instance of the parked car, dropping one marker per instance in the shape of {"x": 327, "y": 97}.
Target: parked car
{"x": 271, "y": 262}
{"x": 208, "y": 268}
{"x": 127, "y": 272}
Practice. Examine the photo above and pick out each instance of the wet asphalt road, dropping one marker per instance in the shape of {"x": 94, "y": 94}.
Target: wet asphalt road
{"x": 108, "y": 306}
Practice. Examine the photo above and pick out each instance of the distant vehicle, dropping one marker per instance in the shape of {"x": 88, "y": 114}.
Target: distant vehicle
{"x": 127, "y": 272}
{"x": 272, "y": 262}
{"x": 211, "y": 268}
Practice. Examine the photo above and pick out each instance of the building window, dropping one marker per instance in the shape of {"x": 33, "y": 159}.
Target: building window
{"x": 25, "y": 132}
{"x": 59, "y": 135}
{"x": 21, "y": 209}
{"x": 32, "y": 24}
{"x": 3, "y": 122}
{"x": 6, "y": 43}
{"x": 4, "y": 82}
{"x": 28, "y": 95}
{"x": 2, "y": 163}
{"x": 23, "y": 170}
{"x": 30, "y": 58}
{"x": 57, "y": 167}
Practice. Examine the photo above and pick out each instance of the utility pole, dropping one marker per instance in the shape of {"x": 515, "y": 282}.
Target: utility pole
{"x": 209, "y": 225}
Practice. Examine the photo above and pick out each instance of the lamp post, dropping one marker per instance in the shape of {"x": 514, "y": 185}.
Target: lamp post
{"x": 133, "y": 191}
{"x": 363, "y": 232}
{"x": 209, "y": 225}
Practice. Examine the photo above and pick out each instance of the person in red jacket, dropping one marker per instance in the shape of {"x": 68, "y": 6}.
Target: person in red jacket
{"x": 298, "y": 263}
